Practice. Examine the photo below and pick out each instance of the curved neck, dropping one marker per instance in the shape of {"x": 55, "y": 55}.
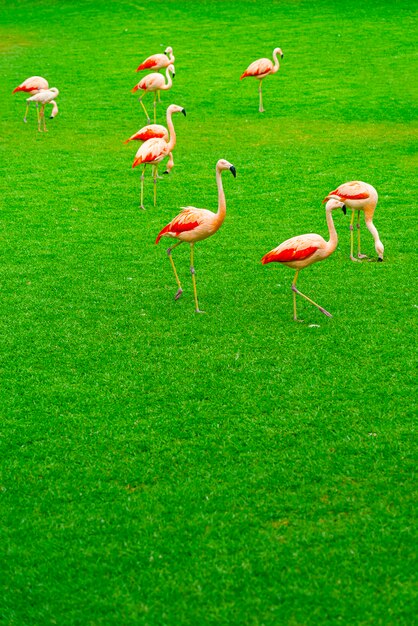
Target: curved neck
{"x": 171, "y": 57}
{"x": 333, "y": 237}
{"x": 221, "y": 197}
{"x": 276, "y": 63}
{"x": 172, "y": 142}
{"x": 169, "y": 80}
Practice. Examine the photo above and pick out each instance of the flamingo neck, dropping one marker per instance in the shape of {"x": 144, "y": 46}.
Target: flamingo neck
{"x": 221, "y": 198}
{"x": 172, "y": 142}
{"x": 276, "y": 63}
{"x": 333, "y": 237}
{"x": 169, "y": 80}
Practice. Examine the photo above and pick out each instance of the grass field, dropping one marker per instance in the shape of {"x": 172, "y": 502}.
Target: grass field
{"x": 160, "y": 467}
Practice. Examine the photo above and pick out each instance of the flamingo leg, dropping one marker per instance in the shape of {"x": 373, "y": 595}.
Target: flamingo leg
{"x": 155, "y": 176}
{"x": 39, "y": 119}
{"x": 26, "y": 113}
{"x": 360, "y": 256}
{"x": 142, "y": 189}
{"x": 143, "y": 106}
{"x": 260, "y": 91}
{"x": 155, "y": 107}
{"x": 43, "y": 117}
{"x": 169, "y": 250}
{"x": 193, "y": 273}
{"x": 296, "y": 291}
{"x": 352, "y": 257}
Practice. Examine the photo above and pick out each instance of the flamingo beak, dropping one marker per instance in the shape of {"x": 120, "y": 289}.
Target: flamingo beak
{"x": 233, "y": 171}
{"x": 184, "y": 112}
{"x": 344, "y": 209}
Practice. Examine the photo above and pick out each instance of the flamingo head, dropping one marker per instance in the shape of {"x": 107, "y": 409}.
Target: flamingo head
{"x": 175, "y": 108}
{"x": 222, "y": 164}
{"x": 171, "y": 69}
{"x": 54, "y": 90}
{"x": 168, "y": 51}
{"x": 333, "y": 204}
{"x": 278, "y": 51}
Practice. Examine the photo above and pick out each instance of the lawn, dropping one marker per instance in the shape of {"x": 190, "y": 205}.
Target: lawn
{"x": 160, "y": 467}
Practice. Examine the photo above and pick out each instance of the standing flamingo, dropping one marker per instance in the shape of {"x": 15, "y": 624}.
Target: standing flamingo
{"x": 158, "y": 61}
{"x": 154, "y": 82}
{"x": 260, "y": 69}
{"x": 32, "y": 85}
{"x": 154, "y": 131}
{"x": 193, "y": 225}
{"x": 359, "y": 196}
{"x": 43, "y": 97}
{"x": 155, "y": 150}
{"x": 299, "y": 252}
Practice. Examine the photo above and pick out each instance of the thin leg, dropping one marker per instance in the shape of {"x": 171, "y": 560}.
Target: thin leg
{"x": 155, "y": 176}
{"x": 360, "y": 256}
{"x": 43, "y": 117}
{"x": 179, "y": 290}
{"x": 352, "y": 257}
{"x": 261, "y": 109}
{"x": 145, "y": 111}
{"x": 193, "y": 273}
{"x": 142, "y": 189}
{"x": 155, "y": 107}
{"x": 296, "y": 291}
{"x": 295, "y": 315}
{"x": 26, "y": 113}
{"x": 39, "y": 119}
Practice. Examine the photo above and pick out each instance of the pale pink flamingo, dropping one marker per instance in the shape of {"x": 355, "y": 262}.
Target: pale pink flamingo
{"x": 260, "y": 69}
{"x": 192, "y": 225}
{"x": 154, "y": 131}
{"x": 158, "y": 61}
{"x": 44, "y": 97}
{"x": 359, "y": 196}
{"x": 154, "y": 82}
{"x": 32, "y": 85}
{"x": 299, "y": 252}
{"x": 155, "y": 150}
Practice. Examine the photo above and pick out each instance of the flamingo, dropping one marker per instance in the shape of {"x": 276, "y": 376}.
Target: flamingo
{"x": 193, "y": 225}
{"x": 154, "y": 131}
{"x": 158, "y": 61}
{"x": 32, "y": 85}
{"x": 359, "y": 196}
{"x": 155, "y": 150}
{"x": 299, "y": 252}
{"x": 154, "y": 82}
{"x": 260, "y": 69}
{"x": 44, "y": 97}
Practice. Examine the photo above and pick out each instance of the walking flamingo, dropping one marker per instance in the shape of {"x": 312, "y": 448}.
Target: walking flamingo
{"x": 299, "y": 252}
{"x": 43, "y": 97}
{"x": 155, "y": 150}
{"x": 192, "y": 225}
{"x": 154, "y": 131}
{"x": 154, "y": 82}
{"x": 260, "y": 69}
{"x": 359, "y": 196}
{"x": 32, "y": 85}
{"x": 158, "y": 61}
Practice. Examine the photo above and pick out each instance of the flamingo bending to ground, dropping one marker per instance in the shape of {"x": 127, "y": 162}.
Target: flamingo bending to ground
{"x": 192, "y": 225}
{"x": 32, "y": 85}
{"x": 299, "y": 252}
{"x": 260, "y": 69}
{"x": 54, "y": 111}
{"x": 154, "y": 131}
{"x": 155, "y": 150}
{"x": 359, "y": 196}
{"x": 154, "y": 82}
{"x": 44, "y": 97}
{"x": 158, "y": 61}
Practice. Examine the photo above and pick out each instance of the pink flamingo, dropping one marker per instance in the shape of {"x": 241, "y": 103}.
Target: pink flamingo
{"x": 158, "y": 61}
{"x": 154, "y": 82}
{"x": 32, "y": 85}
{"x": 155, "y": 150}
{"x": 44, "y": 97}
{"x": 154, "y": 131}
{"x": 192, "y": 225}
{"x": 299, "y": 252}
{"x": 359, "y": 196}
{"x": 260, "y": 69}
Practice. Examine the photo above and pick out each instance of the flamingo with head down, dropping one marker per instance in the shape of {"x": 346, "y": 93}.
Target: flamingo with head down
{"x": 32, "y": 85}
{"x": 260, "y": 69}
{"x": 47, "y": 96}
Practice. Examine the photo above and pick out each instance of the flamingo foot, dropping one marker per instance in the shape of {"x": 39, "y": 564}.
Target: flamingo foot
{"x": 141, "y": 206}
{"x": 261, "y": 110}
{"x": 199, "y": 311}
{"x": 324, "y": 311}
{"x": 178, "y": 294}
{"x": 25, "y": 120}
{"x": 362, "y": 256}
{"x": 353, "y": 258}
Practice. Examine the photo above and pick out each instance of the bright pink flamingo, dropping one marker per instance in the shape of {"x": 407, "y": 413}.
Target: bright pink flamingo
{"x": 154, "y": 82}
{"x": 155, "y": 150}
{"x": 260, "y": 69}
{"x": 359, "y": 196}
{"x": 154, "y": 131}
{"x": 44, "y": 97}
{"x": 299, "y": 252}
{"x": 32, "y": 85}
{"x": 192, "y": 225}
{"x": 158, "y": 61}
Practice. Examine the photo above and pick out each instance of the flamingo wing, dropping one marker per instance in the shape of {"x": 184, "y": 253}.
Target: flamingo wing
{"x": 188, "y": 219}
{"x": 354, "y": 190}
{"x": 258, "y": 68}
{"x": 295, "y": 249}
{"x": 151, "y": 151}
{"x": 148, "y": 64}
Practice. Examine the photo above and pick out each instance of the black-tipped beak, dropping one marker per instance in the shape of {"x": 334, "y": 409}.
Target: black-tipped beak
{"x": 233, "y": 171}
{"x": 344, "y": 209}
{"x": 184, "y": 112}
{"x": 282, "y": 55}
{"x": 51, "y": 117}
{"x": 166, "y": 53}
{"x": 380, "y": 260}
{"x": 173, "y": 75}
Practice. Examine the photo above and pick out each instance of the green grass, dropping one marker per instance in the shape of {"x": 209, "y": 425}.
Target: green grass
{"x": 164, "y": 468}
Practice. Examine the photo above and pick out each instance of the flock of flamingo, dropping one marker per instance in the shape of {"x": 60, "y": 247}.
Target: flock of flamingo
{"x": 193, "y": 224}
